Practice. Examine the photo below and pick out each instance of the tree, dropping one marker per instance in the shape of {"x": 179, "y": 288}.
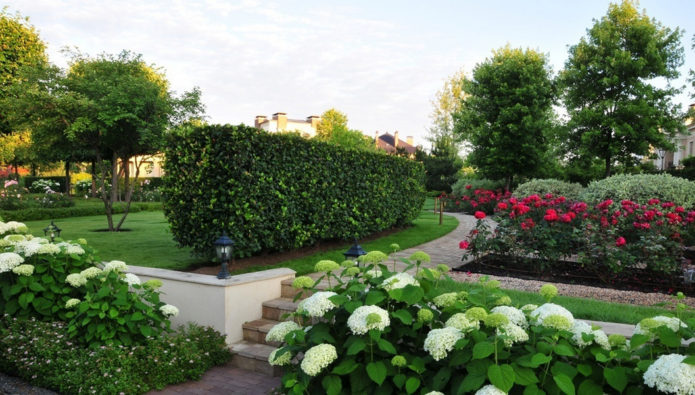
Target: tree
{"x": 507, "y": 113}
{"x": 15, "y": 149}
{"x": 441, "y": 165}
{"x": 350, "y": 138}
{"x": 21, "y": 48}
{"x": 616, "y": 112}
{"x": 447, "y": 102}
{"x": 331, "y": 120}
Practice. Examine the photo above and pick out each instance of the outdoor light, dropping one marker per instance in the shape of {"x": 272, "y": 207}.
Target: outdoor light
{"x": 52, "y": 231}
{"x": 224, "y": 247}
{"x": 354, "y": 252}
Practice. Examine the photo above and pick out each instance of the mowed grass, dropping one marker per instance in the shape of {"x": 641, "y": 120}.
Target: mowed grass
{"x": 150, "y": 243}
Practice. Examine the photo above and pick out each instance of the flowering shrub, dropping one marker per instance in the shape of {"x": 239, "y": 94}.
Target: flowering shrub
{"x": 472, "y": 200}
{"x": 543, "y": 187}
{"x": 11, "y": 196}
{"x": 417, "y": 339}
{"x": 42, "y": 186}
{"x": 606, "y": 238}
{"x": 641, "y": 188}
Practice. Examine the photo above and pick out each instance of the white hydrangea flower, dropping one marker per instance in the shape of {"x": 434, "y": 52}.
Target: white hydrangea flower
{"x": 550, "y": 309}
{"x": 72, "y": 303}
{"x": 490, "y": 390}
{"x": 373, "y": 273}
{"x": 580, "y": 327}
{"x": 76, "y": 280}
{"x": 90, "y": 272}
{"x": 48, "y": 249}
{"x": 516, "y": 316}
{"x": 514, "y": 334}
{"x": 446, "y": 299}
{"x": 279, "y": 331}
{"x": 118, "y": 266}
{"x": 362, "y": 319}
{"x": 434, "y": 393}
{"x": 27, "y": 247}
{"x": 23, "y": 270}
{"x": 400, "y": 280}
{"x": 318, "y": 358}
{"x": 672, "y": 323}
{"x": 13, "y": 227}
{"x": 169, "y": 310}
{"x": 440, "y": 341}
{"x": 284, "y": 359}
{"x": 669, "y": 374}
{"x": 527, "y": 308}
{"x": 9, "y": 260}
{"x": 131, "y": 279}
{"x": 462, "y": 323}
{"x": 317, "y": 304}
{"x": 14, "y": 239}
{"x": 71, "y": 248}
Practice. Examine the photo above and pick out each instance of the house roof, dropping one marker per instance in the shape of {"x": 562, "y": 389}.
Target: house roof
{"x": 387, "y": 142}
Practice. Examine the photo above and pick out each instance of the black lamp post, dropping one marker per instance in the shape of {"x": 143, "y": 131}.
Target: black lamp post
{"x": 354, "y": 252}
{"x": 224, "y": 247}
{"x": 52, "y": 231}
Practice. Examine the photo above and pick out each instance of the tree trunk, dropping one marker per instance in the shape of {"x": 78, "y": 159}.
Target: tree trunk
{"x": 108, "y": 203}
{"x": 128, "y": 188}
{"x": 67, "y": 178}
{"x": 114, "y": 178}
{"x": 16, "y": 171}
{"x": 608, "y": 166}
{"x": 94, "y": 179}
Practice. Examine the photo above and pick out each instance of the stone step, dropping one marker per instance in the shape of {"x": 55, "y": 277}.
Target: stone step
{"x": 275, "y": 309}
{"x": 256, "y": 330}
{"x": 254, "y": 357}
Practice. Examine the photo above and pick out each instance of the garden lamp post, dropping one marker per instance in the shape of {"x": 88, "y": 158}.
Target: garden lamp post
{"x": 224, "y": 247}
{"x": 52, "y": 231}
{"x": 354, "y": 252}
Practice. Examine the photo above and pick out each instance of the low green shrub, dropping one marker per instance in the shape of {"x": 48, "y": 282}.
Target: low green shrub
{"x": 378, "y": 331}
{"x": 542, "y": 187}
{"x": 640, "y": 188}
{"x": 34, "y": 214}
{"x": 466, "y": 186}
{"x": 43, "y": 354}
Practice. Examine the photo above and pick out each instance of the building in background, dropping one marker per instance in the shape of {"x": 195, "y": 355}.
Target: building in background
{"x": 685, "y": 148}
{"x": 280, "y": 123}
{"x": 392, "y": 144}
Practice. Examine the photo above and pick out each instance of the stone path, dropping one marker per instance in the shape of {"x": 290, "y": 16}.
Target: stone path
{"x": 225, "y": 379}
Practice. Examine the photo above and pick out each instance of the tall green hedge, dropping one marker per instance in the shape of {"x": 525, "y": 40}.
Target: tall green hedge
{"x": 274, "y": 192}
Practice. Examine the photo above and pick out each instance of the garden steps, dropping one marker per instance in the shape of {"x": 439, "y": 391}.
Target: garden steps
{"x": 254, "y": 357}
{"x": 255, "y": 331}
{"x": 275, "y": 309}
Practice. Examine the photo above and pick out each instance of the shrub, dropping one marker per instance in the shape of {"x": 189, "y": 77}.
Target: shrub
{"x": 461, "y": 187}
{"x": 11, "y": 196}
{"x": 83, "y": 187}
{"x": 52, "y": 199}
{"x": 33, "y": 214}
{"x": 640, "y": 188}
{"x": 279, "y": 191}
{"x": 543, "y": 187}
{"x": 55, "y": 183}
{"x": 42, "y": 353}
{"x": 392, "y": 333}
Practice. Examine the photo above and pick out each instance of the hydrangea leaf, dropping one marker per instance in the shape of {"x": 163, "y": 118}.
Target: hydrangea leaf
{"x": 346, "y": 366}
{"x": 482, "y": 350}
{"x": 564, "y": 350}
{"x": 501, "y": 376}
{"x": 412, "y": 384}
{"x": 589, "y": 387}
{"x": 616, "y": 377}
{"x": 404, "y": 316}
{"x": 374, "y": 297}
{"x": 377, "y": 371}
{"x": 524, "y": 376}
{"x": 332, "y": 384}
{"x": 564, "y": 383}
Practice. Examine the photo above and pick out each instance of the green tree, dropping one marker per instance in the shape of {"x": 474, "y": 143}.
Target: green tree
{"x": 21, "y": 48}
{"x": 350, "y": 138}
{"x": 442, "y": 164}
{"x": 616, "y": 111}
{"x": 507, "y": 113}
{"x": 447, "y": 102}
{"x": 331, "y": 120}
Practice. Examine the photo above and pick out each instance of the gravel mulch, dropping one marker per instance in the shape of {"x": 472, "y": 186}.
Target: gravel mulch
{"x": 10, "y": 385}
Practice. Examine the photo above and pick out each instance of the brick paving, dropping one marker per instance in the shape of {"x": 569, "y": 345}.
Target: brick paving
{"x": 225, "y": 380}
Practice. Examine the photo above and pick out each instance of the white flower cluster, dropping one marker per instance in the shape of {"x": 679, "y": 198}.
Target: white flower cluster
{"x": 169, "y": 310}
{"x": 318, "y": 358}
{"x": 118, "y": 266}
{"x": 71, "y": 248}
{"x": 669, "y": 374}
{"x": 600, "y": 336}
{"x": 400, "y": 280}
{"x": 30, "y": 247}
{"x": 76, "y": 280}
{"x": 365, "y": 318}
{"x": 13, "y": 239}
{"x": 48, "y": 249}
{"x": 72, "y": 303}
{"x": 440, "y": 341}
{"x": 131, "y": 279}
{"x": 462, "y": 323}
{"x": 12, "y": 227}
{"x": 90, "y": 272}
{"x": 279, "y": 331}
{"x": 284, "y": 359}
{"x": 317, "y": 304}
{"x": 9, "y": 260}
{"x": 23, "y": 270}
{"x": 547, "y": 310}
{"x": 490, "y": 390}
{"x": 373, "y": 273}
{"x": 672, "y": 323}
{"x": 513, "y": 334}
{"x": 516, "y": 316}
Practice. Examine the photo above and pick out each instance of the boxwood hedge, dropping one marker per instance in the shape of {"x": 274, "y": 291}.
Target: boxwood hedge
{"x": 273, "y": 192}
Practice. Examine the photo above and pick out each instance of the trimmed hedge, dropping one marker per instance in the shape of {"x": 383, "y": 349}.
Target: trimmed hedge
{"x": 35, "y": 214}
{"x": 28, "y": 180}
{"x": 273, "y": 192}
{"x": 640, "y": 188}
{"x": 541, "y": 187}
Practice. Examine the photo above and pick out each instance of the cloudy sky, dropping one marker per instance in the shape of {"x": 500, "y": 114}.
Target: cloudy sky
{"x": 380, "y": 62}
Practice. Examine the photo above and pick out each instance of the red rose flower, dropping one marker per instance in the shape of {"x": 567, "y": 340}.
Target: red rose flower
{"x": 469, "y": 186}
{"x": 464, "y": 245}
{"x": 502, "y": 206}
{"x": 620, "y": 241}
{"x": 550, "y": 215}
{"x": 479, "y": 214}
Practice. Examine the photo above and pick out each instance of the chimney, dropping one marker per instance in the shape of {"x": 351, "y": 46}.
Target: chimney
{"x": 314, "y": 120}
{"x": 376, "y": 138}
{"x": 395, "y": 139}
{"x": 410, "y": 141}
{"x": 281, "y": 117}
{"x": 259, "y": 120}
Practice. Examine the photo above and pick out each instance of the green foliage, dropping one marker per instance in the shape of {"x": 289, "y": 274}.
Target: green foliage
{"x": 441, "y": 165}
{"x": 507, "y": 113}
{"x": 79, "y": 210}
{"x": 618, "y": 60}
{"x": 42, "y": 353}
{"x": 276, "y": 192}
{"x": 461, "y": 187}
{"x": 56, "y": 183}
{"x": 541, "y": 187}
{"x": 374, "y": 343}
{"x": 331, "y": 120}
{"x": 640, "y": 188}
{"x": 349, "y": 138}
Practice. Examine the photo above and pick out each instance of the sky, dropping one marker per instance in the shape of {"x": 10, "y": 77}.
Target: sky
{"x": 379, "y": 62}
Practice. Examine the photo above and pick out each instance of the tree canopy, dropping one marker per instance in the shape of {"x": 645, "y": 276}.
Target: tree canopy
{"x": 447, "y": 102}
{"x": 331, "y": 120}
{"x": 507, "y": 113}
{"x": 616, "y": 111}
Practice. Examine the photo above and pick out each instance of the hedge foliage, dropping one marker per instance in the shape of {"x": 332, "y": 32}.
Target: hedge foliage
{"x": 274, "y": 192}
{"x": 640, "y": 188}
{"x": 36, "y": 214}
{"x": 541, "y": 187}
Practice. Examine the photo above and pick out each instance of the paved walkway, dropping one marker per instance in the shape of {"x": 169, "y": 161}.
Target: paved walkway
{"x": 225, "y": 380}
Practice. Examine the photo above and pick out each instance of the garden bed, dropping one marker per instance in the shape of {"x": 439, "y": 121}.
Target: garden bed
{"x": 566, "y": 272}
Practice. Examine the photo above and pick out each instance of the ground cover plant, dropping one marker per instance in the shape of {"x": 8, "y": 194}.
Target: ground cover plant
{"x": 377, "y": 331}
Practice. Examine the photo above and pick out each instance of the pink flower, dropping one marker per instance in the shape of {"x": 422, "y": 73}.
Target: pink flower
{"x": 464, "y": 245}
{"x": 9, "y": 183}
{"x": 479, "y": 214}
{"x": 620, "y": 241}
